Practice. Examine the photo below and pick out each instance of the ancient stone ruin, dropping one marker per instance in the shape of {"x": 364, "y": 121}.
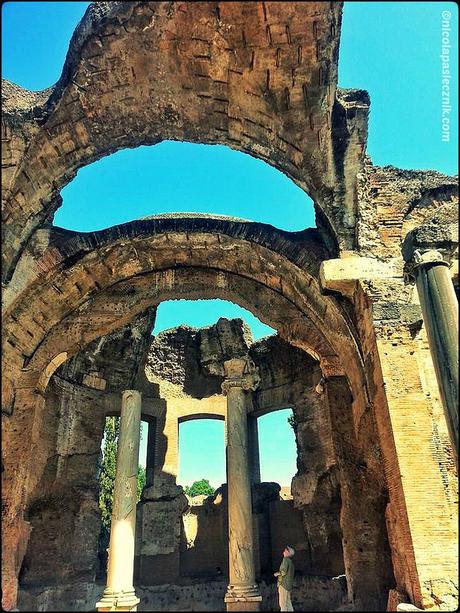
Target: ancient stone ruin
{"x": 364, "y": 306}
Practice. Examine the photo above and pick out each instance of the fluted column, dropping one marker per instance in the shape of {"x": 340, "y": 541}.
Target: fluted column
{"x": 440, "y": 314}
{"x": 242, "y": 592}
{"x": 119, "y": 594}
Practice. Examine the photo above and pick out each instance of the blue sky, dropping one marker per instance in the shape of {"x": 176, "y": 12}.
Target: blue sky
{"x": 391, "y": 49}
{"x": 276, "y": 439}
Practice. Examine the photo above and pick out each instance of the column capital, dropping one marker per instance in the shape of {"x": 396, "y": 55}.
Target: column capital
{"x": 418, "y": 258}
{"x": 131, "y": 393}
{"x": 430, "y": 256}
{"x": 242, "y": 373}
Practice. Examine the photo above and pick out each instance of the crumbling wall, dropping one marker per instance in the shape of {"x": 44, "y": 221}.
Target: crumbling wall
{"x": 393, "y": 201}
{"x": 204, "y": 537}
{"x": 288, "y": 378}
{"x": 316, "y": 486}
{"x": 364, "y": 499}
{"x": 310, "y": 593}
{"x": 261, "y": 80}
{"x": 260, "y": 77}
{"x": 63, "y": 510}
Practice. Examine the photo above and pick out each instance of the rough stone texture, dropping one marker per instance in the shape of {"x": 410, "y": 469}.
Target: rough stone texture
{"x": 254, "y": 76}
{"x": 313, "y": 593}
{"x": 259, "y": 77}
{"x": 324, "y": 480}
{"x": 204, "y": 538}
{"x": 187, "y": 365}
{"x": 63, "y": 510}
{"x": 167, "y": 548}
{"x": 96, "y": 366}
{"x": 403, "y": 385}
{"x": 188, "y": 362}
{"x": 393, "y": 202}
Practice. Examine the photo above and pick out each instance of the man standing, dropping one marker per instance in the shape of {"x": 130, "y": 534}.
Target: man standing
{"x": 286, "y": 579}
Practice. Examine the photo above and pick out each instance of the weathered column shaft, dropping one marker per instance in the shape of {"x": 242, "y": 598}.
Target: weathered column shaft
{"x": 171, "y": 442}
{"x": 254, "y": 455}
{"x": 151, "y": 453}
{"x": 119, "y": 594}
{"x": 440, "y": 314}
{"x": 242, "y": 593}
{"x": 241, "y": 537}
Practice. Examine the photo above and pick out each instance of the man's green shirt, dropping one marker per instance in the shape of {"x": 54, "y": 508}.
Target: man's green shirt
{"x": 286, "y": 576}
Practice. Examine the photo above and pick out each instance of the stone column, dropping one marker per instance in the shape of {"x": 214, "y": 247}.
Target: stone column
{"x": 164, "y": 460}
{"x": 254, "y": 456}
{"x": 119, "y": 594}
{"x": 151, "y": 452}
{"x": 242, "y": 592}
{"x": 440, "y": 315}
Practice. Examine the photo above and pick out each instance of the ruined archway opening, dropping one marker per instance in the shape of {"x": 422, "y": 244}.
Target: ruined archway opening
{"x": 203, "y": 313}
{"x": 292, "y": 115}
{"x": 318, "y": 495}
{"x": 304, "y": 517}
{"x": 182, "y": 177}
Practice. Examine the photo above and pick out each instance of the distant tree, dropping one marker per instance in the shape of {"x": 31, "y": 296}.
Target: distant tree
{"x": 140, "y": 481}
{"x": 291, "y": 421}
{"x": 109, "y": 467}
{"x": 200, "y": 488}
{"x": 106, "y": 483}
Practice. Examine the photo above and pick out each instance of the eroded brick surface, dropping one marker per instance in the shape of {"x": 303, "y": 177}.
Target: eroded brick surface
{"x": 376, "y": 484}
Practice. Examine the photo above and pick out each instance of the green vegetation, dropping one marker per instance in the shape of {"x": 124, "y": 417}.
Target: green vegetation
{"x": 291, "y": 421}
{"x": 109, "y": 466}
{"x": 199, "y": 488}
{"x": 140, "y": 481}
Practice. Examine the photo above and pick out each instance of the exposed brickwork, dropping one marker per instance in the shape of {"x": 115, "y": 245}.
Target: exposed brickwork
{"x": 261, "y": 78}
{"x": 249, "y": 75}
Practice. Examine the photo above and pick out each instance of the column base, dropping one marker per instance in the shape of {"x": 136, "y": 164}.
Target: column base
{"x": 118, "y": 601}
{"x": 243, "y": 598}
{"x": 243, "y": 605}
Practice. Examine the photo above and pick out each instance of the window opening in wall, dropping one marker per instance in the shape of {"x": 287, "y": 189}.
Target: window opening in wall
{"x": 201, "y": 456}
{"x": 277, "y": 449}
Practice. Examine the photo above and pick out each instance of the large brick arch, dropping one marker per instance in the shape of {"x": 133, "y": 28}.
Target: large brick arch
{"x": 88, "y": 284}
{"x": 85, "y": 285}
{"x": 259, "y": 77}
